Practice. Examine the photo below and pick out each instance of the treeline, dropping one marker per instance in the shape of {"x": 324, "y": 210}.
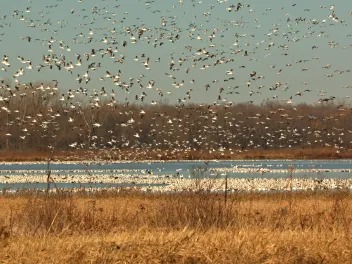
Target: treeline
{"x": 36, "y": 117}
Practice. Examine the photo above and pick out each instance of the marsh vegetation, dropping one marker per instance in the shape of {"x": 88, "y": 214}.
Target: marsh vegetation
{"x": 197, "y": 227}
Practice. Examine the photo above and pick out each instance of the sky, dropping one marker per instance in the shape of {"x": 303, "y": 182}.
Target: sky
{"x": 293, "y": 38}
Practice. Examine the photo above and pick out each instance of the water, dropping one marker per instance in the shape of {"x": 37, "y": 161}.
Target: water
{"x": 325, "y": 164}
{"x": 341, "y": 169}
{"x": 82, "y": 186}
{"x": 173, "y": 167}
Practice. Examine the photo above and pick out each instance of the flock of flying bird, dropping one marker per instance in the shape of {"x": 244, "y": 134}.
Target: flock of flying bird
{"x": 192, "y": 51}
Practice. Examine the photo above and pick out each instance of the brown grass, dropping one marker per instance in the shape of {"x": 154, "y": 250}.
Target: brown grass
{"x": 132, "y": 227}
{"x": 126, "y": 154}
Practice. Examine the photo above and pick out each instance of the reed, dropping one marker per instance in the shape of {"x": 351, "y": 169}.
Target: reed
{"x": 189, "y": 227}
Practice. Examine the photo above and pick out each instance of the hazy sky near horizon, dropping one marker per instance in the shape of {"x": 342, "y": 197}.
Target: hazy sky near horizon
{"x": 288, "y": 43}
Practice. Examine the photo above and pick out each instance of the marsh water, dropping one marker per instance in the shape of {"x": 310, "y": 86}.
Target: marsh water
{"x": 238, "y": 169}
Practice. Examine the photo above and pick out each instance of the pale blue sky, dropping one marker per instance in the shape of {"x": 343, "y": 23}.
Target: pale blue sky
{"x": 255, "y": 24}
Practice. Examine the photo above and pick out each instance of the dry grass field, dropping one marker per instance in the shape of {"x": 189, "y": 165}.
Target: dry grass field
{"x": 135, "y": 154}
{"x": 134, "y": 227}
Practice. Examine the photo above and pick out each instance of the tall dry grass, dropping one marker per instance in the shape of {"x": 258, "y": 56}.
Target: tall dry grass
{"x": 132, "y": 227}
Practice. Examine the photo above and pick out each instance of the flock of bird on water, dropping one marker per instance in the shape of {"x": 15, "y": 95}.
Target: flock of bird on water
{"x": 134, "y": 61}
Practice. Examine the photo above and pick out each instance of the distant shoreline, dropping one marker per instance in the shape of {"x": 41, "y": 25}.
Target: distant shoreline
{"x": 127, "y": 155}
